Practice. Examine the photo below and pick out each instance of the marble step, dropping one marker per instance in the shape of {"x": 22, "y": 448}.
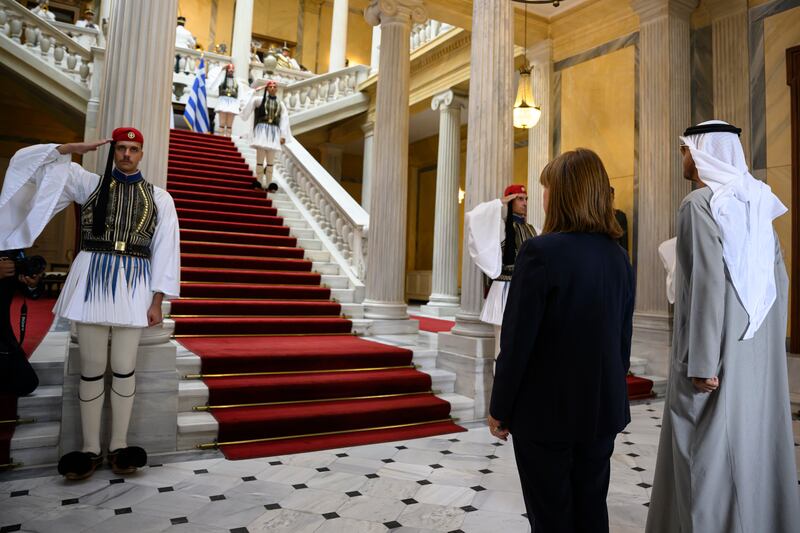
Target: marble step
{"x": 659, "y": 384}
{"x": 37, "y": 435}
{"x": 43, "y": 405}
{"x": 49, "y": 357}
{"x": 335, "y": 281}
{"x": 425, "y": 358}
{"x": 317, "y": 255}
{"x": 283, "y": 203}
{"x": 353, "y": 310}
{"x": 325, "y": 267}
{"x": 196, "y": 428}
{"x": 296, "y": 222}
{"x": 638, "y": 365}
{"x": 303, "y": 233}
{"x": 187, "y": 364}
{"x": 309, "y": 244}
{"x": 461, "y": 407}
{"x": 343, "y": 295}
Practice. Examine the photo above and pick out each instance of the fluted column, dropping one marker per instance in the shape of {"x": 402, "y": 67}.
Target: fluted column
{"x": 385, "y": 286}
{"x": 242, "y": 37}
{"x": 104, "y": 15}
{"x": 444, "y": 299}
{"x": 490, "y": 143}
{"x": 375, "y": 56}
{"x": 131, "y": 98}
{"x": 540, "y": 137}
{"x": 731, "y": 64}
{"x": 366, "y": 175}
{"x": 338, "y": 50}
{"x": 665, "y": 111}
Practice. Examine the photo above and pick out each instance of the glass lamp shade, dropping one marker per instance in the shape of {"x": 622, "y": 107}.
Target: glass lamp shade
{"x": 526, "y": 115}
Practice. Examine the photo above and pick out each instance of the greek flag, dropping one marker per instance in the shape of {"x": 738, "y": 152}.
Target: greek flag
{"x": 196, "y": 112}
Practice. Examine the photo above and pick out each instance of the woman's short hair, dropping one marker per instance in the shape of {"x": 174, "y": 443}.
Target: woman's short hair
{"x": 580, "y": 197}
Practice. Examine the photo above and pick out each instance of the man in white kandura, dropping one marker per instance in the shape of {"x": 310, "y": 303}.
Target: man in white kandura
{"x": 183, "y": 37}
{"x": 270, "y": 129}
{"x": 726, "y": 458}
{"x": 493, "y": 242}
{"x": 129, "y": 261}
{"x": 87, "y": 40}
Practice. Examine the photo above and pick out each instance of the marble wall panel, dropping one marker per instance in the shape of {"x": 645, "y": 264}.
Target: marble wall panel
{"x": 702, "y": 75}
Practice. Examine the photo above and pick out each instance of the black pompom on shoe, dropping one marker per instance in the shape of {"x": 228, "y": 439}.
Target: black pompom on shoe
{"x": 256, "y": 184}
{"x": 79, "y": 465}
{"x": 127, "y": 460}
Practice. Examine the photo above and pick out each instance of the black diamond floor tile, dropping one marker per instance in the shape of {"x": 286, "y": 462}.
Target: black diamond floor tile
{"x": 468, "y": 508}
{"x": 272, "y": 506}
{"x": 330, "y": 516}
{"x": 216, "y": 497}
{"x": 124, "y": 510}
{"x": 477, "y": 488}
{"x": 165, "y": 489}
{"x": 393, "y": 524}
{"x": 70, "y": 501}
{"x": 409, "y": 501}
{"x": 179, "y": 520}
{"x": 116, "y": 481}
{"x": 201, "y": 471}
{"x": 424, "y": 482}
{"x": 18, "y": 493}
{"x": 249, "y": 478}
{"x": 353, "y": 493}
{"x": 300, "y": 486}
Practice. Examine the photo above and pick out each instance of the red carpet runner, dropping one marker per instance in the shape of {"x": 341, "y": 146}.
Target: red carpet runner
{"x": 283, "y": 371}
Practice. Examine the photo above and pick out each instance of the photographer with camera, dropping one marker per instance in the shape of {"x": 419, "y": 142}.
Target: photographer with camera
{"x": 23, "y": 274}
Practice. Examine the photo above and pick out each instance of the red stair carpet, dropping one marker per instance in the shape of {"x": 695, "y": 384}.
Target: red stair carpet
{"x": 285, "y": 374}
{"x": 40, "y": 317}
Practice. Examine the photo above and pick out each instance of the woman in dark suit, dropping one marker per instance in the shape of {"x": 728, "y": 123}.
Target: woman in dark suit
{"x": 559, "y": 386}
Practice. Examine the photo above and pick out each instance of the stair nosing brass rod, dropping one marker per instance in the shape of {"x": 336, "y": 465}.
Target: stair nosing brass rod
{"x": 249, "y": 245}
{"x": 255, "y": 316}
{"x": 328, "y": 299}
{"x": 19, "y": 421}
{"x": 215, "y": 445}
{"x": 290, "y": 372}
{"x": 290, "y": 402}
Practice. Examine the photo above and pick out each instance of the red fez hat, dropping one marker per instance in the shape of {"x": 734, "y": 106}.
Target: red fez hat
{"x": 515, "y": 189}
{"x": 127, "y": 134}
{"x": 272, "y": 82}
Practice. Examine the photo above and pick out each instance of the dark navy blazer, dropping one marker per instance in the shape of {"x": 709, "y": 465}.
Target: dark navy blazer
{"x": 566, "y": 340}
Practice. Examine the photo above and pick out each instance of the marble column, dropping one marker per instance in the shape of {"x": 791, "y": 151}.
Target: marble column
{"x": 240, "y": 53}
{"x": 664, "y": 112}
{"x": 130, "y": 99}
{"x": 468, "y": 349}
{"x": 338, "y": 50}
{"x": 366, "y": 176}
{"x": 331, "y": 159}
{"x": 242, "y": 37}
{"x": 375, "y": 56}
{"x": 444, "y": 300}
{"x": 385, "y": 285}
{"x": 540, "y": 137}
{"x": 730, "y": 64}
{"x": 490, "y": 143}
{"x": 104, "y": 15}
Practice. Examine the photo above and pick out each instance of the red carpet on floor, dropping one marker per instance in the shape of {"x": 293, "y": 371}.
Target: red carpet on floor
{"x": 639, "y": 388}
{"x": 434, "y": 325}
{"x": 40, "y": 317}
{"x": 284, "y": 372}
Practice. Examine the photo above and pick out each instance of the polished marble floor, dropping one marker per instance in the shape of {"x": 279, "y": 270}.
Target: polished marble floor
{"x": 462, "y": 482}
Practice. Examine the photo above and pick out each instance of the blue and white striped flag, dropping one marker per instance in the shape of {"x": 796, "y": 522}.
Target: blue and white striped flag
{"x": 196, "y": 112}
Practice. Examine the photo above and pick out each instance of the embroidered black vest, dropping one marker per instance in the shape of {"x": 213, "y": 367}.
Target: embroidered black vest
{"x": 230, "y": 87}
{"x": 522, "y": 232}
{"x": 270, "y": 112}
{"x": 130, "y": 219}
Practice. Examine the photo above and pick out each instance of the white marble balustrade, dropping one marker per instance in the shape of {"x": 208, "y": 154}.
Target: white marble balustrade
{"x": 342, "y": 219}
{"x": 44, "y": 40}
{"x": 320, "y": 90}
{"x": 424, "y": 33}
{"x": 87, "y": 37}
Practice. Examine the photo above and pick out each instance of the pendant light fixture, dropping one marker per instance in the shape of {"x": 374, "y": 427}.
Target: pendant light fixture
{"x": 526, "y": 112}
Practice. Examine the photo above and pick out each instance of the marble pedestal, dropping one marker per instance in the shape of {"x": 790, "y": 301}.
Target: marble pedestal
{"x": 448, "y": 311}
{"x": 154, "y": 420}
{"x": 471, "y": 359}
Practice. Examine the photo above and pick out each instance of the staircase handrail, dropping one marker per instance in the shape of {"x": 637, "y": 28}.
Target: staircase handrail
{"x": 341, "y": 218}
{"x": 324, "y": 88}
{"x": 77, "y": 30}
{"x": 422, "y": 34}
{"x": 43, "y": 25}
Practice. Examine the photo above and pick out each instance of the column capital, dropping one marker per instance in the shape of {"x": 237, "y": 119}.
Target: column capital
{"x": 649, "y": 10}
{"x": 719, "y": 9}
{"x": 448, "y": 99}
{"x": 402, "y": 11}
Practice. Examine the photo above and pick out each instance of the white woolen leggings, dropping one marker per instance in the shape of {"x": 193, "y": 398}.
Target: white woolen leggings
{"x": 93, "y": 344}
{"x": 265, "y": 178}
